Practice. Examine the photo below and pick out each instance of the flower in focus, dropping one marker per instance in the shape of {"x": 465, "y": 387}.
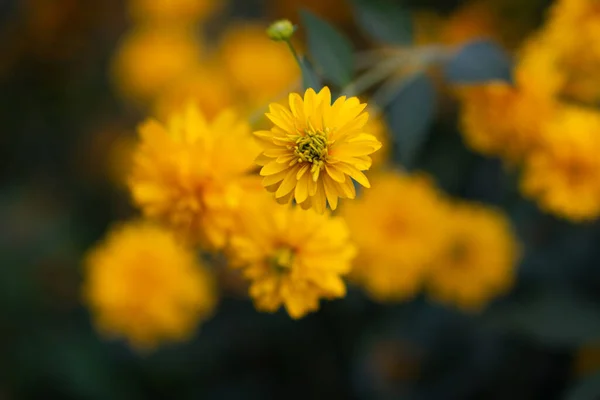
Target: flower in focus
{"x": 141, "y": 284}
{"x": 149, "y": 59}
{"x": 316, "y": 149}
{"x": 563, "y": 175}
{"x": 478, "y": 259}
{"x": 292, "y": 257}
{"x": 208, "y": 87}
{"x": 191, "y": 174}
{"x": 395, "y": 226}
{"x": 173, "y": 11}
{"x": 261, "y": 68}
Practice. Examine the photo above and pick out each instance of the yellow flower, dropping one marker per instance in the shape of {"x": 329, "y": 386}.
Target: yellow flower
{"x": 142, "y": 285}
{"x": 151, "y": 58}
{"x": 292, "y": 257}
{"x": 563, "y": 175}
{"x": 191, "y": 173}
{"x": 208, "y": 87}
{"x": 487, "y": 121}
{"x": 396, "y": 228}
{"x": 261, "y": 68}
{"x": 572, "y": 35}
{"x": 173, "y": 11}
{"x": 478, "y": 260}
{"x": 499, "y": 119}
{"x": 316, "y": 149}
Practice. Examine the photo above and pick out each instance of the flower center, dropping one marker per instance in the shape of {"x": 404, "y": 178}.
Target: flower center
{"x": 458, "y": 253}
{"x": 282, "y": 260}
{"x": 312, "y": 147}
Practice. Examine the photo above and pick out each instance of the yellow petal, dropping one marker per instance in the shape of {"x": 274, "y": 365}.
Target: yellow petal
{"x": 275, "y": 178}
{"x": 335, "y": 173}
{"x": 330, "y": 192}
{"x": 288, "y": 184}
{"x": 273, "y": 168}
{"x": 302, "y": 189}
{"x": 319, "y": 200}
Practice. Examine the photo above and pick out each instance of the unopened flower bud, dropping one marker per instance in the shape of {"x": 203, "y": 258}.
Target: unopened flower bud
{"x": 281, "y": 30}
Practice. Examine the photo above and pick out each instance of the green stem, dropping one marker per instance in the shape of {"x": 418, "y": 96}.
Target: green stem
{"x": 294, "y": 53}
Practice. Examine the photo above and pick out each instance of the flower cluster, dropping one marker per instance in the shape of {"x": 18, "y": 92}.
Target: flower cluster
{"x": 201, "y": 176}
{"x": 545, "y": 122}
{"x": 411, "y": 237}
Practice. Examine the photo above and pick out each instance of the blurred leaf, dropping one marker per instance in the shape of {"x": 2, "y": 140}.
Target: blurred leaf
{"x": 477, "y": 62}
{"x": 310, "y": 79}
{"x": 586, "y": 389}
{"x": 331, "y": 51}
{"x": 410, "y": 115}
{"x": 552, "y": 317}
{"x": 385, "y": 20}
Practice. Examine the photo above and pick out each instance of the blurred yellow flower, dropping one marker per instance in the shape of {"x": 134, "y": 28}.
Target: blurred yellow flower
{"x": 487, "y": 121}
{"x": 151, "y": 58}
{"x": 478, "y": 260}
{"x": 142, "y": 285}
{"x": 378, "y": 127}
{"x": 208, "y": 87}
{"x": 191, "y": 173}
{"x": 292, "y": 257}
{"x": 173, "y": 11}
{"x": 505, "y": 120}
{"x": 316, "y": 149}
{"x": 396, "y": 227}
{"x": 563, "y": 175}
{"x": 261, "y": 68}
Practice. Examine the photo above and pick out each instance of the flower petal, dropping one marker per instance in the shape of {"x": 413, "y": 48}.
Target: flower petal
{"x": 273, "y": 168}
{"x": 288, "y": 184}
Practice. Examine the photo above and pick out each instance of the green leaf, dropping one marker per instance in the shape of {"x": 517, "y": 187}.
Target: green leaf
{"x": 385, "y": 20}
{"x": 330, "y": 50}
{"x": 586, "y": 389}
{"x": 479, "y": 61}
{"x": 310, "y": 79}
{"x": 410, "y": 115}
{"x": 556, "y": 317}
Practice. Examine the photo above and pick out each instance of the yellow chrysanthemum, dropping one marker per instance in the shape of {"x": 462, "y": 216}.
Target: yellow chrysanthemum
{"x": 172, "y": 11}
{"x": 478, "y": 260}
{"x": 316, "y": 149}
{"x": 499, "y": 119}
{"x": 486, "y": 119}
{"x": 150, "y": 58}
{"x": 563, "y": 175}
{"x": 396, "y": 228}
{"x": 292, "y": 257}
{"x": 208, "y": 87}
{"x": 190, "y": 174}
{"x": 567, "y": 47}
{"x": 262, "y": 69}
{"x": 142, "y": 285}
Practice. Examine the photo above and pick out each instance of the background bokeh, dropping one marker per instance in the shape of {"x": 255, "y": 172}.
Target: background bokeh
{"x": 71, "y": 96}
